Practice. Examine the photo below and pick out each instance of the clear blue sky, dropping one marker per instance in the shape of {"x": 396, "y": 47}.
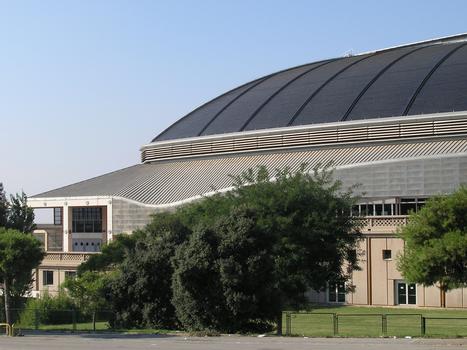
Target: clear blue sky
{"x": 83, "y": 84}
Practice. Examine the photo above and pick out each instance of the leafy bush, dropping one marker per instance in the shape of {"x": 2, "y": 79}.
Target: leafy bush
{"x": 140, "y": 292}
{"x": 224, "y": 278}
{"x": 48, "y": 310}
{"x": 232, "y": 262}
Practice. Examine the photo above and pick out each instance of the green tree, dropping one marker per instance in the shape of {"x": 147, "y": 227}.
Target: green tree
{"x": 88, "y": 292}
{"x": 306, "y": 217}
{"x": 19, "y": 255}
{"x": 224, "y": 277}
{"x": 435, "y": 238}
{"x": 20, "y": 215}
{"x": 112, "y": 253}
{"x": 3, "y": 207}
{"x": 140, "y": 293}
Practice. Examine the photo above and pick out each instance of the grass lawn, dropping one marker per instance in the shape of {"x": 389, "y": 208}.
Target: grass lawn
{"x": 367, "y": 322}
{"x": 352, "y": 321}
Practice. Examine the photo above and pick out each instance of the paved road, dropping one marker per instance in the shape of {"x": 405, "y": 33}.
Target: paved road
{"x": 137, "y": 342}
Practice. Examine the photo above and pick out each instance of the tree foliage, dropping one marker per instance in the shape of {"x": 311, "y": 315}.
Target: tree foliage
{"x": 20, "y": 215}
{"x": 233, "y": 261}
{"x": 224, "y": 278}
{"x": 112, "y": 253}
{"x": 141, "y": 290}
{"x": 16, "y": 214}
{"x": 88, "y": 292}
{"x": 436, "y": 243}
{"x": 311, "y": 240}
{"x": 19, "y": 255}
{"x": 3, "y": 207}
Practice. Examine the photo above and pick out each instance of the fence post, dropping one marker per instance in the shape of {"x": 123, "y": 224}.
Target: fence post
{"x": 423, "y": 325}
{"x": 36, "y": 319}
{"x": 288, "y": 324}
{"x": 384, "y": 325}
{"x": 335, "y": 323}
{"x": 73, "y": 319}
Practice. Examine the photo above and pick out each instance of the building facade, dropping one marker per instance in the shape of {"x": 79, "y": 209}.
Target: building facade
{"x": 393, "y": 121}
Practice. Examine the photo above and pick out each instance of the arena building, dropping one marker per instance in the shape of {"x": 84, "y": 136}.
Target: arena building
{"x": 392, "y": 120}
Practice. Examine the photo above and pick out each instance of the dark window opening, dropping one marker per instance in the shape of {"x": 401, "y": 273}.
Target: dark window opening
{"x": 58, "y": 215}
{"x": 336, "y": 293}
{"x": 408, "y": 205}
{"x": 47, "y": 277}
{"x": 387, "y": 254}
{"x": 87, "y": 220}
{"x": 70, "y": 275}
{"x": 406, "y": 293}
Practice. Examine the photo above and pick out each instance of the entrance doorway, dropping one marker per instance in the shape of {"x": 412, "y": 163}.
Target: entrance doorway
{"x": 336, "y": 293}
{"x": 406, "y": 293}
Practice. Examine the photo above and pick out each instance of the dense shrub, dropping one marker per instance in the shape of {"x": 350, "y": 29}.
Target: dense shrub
{"x": 140, "y": 292}
{"x": 232, "y": 262}
{"x": 224, "y": 278}
{"x": 48, "y": 310}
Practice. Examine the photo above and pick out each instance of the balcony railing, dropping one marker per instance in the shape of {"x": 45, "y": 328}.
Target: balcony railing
{"x": 383, "y": 224}
{"x": 68, "y": 259}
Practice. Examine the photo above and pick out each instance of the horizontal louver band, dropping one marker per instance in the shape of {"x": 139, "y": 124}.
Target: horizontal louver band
{"x": 322, "y": 136}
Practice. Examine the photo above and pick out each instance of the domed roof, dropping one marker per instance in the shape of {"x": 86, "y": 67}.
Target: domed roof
{"x": 428, "y": 77}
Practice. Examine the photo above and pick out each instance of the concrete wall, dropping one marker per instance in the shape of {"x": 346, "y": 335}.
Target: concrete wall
{"x": 58, "y": 279}
{"x": 414, "y": 177}
{"x": 128, "y": 216}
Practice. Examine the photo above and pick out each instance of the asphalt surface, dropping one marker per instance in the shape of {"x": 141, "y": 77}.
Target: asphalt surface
{"x": 136, "y": 342}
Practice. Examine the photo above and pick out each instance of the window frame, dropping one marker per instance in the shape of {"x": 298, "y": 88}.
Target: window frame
{"x": 384, "y": 254}
{"x": 338, "y": 291}
{"x": 46, "y": 281}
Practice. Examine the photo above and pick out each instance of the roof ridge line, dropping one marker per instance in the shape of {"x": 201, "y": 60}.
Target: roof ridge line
{"x": 439, "y": 40}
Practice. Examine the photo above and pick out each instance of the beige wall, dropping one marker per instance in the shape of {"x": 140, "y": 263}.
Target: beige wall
{"x": 58, "y": 279}
{"x": 375, "y": 283}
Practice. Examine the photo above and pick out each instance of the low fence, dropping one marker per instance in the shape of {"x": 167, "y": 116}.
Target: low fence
{"x": 58, "y": 320}
{"x": 372, "y": 325}
{"x": 313, "y": 324}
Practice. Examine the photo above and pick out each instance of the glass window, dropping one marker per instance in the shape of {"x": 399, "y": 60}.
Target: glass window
{"x": 406, "y": 293}
{"x": 47, "y": 277}
{"x": 87, "y": 220}
{"x": 387, "y": 209}
{"x": 378, "y": 209}
{"x": 70, "y": 275}
{"x": 336, "y": 293}
{"x": 387, "y": 254}
{"x": 407, "y": 208}
{"x": 57, "y": 216}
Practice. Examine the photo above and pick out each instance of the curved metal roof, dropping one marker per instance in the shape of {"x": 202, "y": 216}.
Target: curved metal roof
{"x": 429, "y": 77}
{"x": 166, "y": 183}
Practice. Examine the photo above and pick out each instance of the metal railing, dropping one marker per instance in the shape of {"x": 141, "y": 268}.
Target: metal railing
{"x": 372, "y": 325}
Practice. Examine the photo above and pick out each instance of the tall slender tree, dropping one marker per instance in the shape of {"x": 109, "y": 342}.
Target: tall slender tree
{"x": 20, "y": 215}
{"x": 3, "y": 207}
{"x": 19, "y": 255}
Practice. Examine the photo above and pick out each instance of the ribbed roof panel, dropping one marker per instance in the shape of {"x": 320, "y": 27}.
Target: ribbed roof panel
{"x": 389, "y": 95}
{"x": 235, "y": 116}
{"x": 408, "y": 80}
{"x": 446, "y": 90}
{"x": 168, "y": 182}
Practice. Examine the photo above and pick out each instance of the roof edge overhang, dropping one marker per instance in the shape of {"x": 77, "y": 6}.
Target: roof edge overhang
{"x": 306, "y": 135}
{"x": 51, "y": 202}
{"x": 82, "y": 201}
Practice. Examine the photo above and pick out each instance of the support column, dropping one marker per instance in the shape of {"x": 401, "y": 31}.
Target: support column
{"x": 66, "y": 229}
{"x": 109, "y": 222}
